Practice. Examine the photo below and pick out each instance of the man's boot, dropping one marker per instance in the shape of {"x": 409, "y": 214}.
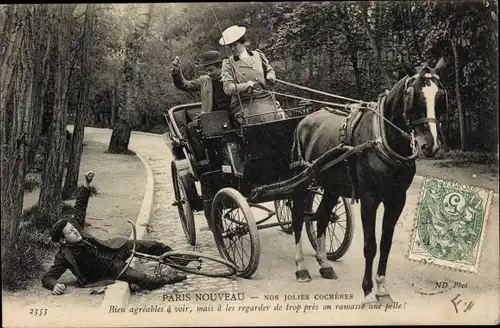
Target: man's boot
{"x": 145, "y": 281}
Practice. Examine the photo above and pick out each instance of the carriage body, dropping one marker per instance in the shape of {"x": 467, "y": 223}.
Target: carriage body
{"x": 265, "y": 152}
{"x": 264, "y": 147}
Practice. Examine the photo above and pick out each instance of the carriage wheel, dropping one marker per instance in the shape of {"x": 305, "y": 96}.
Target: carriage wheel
{"x": 339, "y": 231}
{"x": 180, "y": 184}
{"x": 235, "y": 231}
{"x": 283, "y": 210}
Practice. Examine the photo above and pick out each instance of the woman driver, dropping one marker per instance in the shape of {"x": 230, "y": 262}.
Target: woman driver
{"x": 247, "y": 73}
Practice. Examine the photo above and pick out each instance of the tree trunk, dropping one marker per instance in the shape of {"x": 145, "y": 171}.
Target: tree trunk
{"x": 50, "y": 194}
{"x": 374, "y": 44}
{"x": 15, "y": 95}
{"x": 42, "y": 45}
{"x": 353, "y": 56}
{"x": 403, "y": 40}
{"x": 120, "y": 137}
{"x": 113, "y": 100}
{"x": 71, "y": 181}
{"x": 414, "y": 34}
{"x": 461, "y": 114}
{"x": 127, "y": 113}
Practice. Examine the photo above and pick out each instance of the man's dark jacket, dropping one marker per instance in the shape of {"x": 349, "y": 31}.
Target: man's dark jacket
{"x": 65, "y": 260}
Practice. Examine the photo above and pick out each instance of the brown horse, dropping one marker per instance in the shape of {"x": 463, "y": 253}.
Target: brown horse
{"x": 380, "y": 174}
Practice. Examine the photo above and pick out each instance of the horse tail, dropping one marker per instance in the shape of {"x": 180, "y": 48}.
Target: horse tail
{"x": 297, "y": 158}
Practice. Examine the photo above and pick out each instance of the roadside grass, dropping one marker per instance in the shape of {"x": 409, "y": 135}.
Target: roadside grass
{"x": 465, "y": 158}
{"x": 23, "y": 254}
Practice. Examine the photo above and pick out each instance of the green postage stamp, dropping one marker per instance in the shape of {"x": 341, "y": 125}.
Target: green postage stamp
{"x": 450, "y": 224}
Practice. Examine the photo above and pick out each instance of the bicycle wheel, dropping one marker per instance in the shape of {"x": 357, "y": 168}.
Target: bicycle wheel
{"x": 199, "y": 263}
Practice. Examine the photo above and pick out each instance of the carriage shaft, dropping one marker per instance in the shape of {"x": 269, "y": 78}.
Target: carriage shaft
{"x": 307, "y": 218}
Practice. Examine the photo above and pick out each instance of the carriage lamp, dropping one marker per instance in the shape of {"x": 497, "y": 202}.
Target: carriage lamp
{"x": 225, "y": 125}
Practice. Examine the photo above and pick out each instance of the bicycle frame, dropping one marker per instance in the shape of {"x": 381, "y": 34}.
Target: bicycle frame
{"x": 164, "y": 259}
{"x": 129, "y": 260}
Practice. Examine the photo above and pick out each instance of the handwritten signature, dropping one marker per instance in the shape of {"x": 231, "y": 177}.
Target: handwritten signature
{"x": 467, "y": 305}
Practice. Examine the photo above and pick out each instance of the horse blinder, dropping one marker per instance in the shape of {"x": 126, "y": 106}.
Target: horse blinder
{"x": 409, "y": 95}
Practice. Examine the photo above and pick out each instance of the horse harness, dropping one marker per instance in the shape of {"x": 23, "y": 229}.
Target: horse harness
{"x": 410, "y": 93}
{"x": 345, "y": 138}
{"x": 353, "y": 114}
{"x": 388, "y": 155}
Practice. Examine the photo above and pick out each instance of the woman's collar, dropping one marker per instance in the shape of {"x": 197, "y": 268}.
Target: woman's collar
{"x": 237, "y": 57}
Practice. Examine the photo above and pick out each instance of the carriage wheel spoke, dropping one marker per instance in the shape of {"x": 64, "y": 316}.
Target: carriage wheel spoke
{"x": 332, "y": 233}
{"x": 338, "y": 241}
{"x": 234, "y": 222}
{"x": 339, "y": 215}
{"x": 342, "y": 227}
{"x": 240, "y": 254}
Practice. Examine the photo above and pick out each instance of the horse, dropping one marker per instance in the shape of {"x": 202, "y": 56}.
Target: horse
{"x": 407, "y": 121}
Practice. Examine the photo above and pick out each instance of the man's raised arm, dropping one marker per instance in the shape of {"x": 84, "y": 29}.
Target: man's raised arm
{"x": 180, "y": 82}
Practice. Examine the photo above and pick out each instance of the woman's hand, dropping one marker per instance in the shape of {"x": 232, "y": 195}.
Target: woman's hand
{"x": 251, "y": 85}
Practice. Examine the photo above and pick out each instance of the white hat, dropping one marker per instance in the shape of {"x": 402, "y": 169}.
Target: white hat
{"x": 232, "y": 34}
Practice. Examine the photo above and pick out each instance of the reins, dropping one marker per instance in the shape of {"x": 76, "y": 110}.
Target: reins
{"x": 371, "y": 106}
{"x": 364, "y": 104}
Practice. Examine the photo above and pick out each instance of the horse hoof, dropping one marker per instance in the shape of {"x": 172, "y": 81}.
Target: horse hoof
{"x": 383, "y": 293}
{"x": 303, "y": 275}
{"x": 385, "y": 299}
{"x": 328, "y": 273}
{"x": 369, "y": 299}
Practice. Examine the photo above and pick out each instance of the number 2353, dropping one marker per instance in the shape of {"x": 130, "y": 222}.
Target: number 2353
{"x": 38, "y": 312}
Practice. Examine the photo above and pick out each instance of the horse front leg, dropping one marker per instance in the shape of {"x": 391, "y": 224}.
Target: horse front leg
{"x": 369, "y": 205}
{"x": 298, "y": 205}
{"x": 322, "y": 217}
{"x": 393, "y": 208}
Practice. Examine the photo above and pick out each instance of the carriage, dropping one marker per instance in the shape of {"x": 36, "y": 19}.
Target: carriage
{"x": 227, "y": 188}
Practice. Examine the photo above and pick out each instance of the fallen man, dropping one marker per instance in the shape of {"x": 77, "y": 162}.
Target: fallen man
{"x": 92, "y": 260}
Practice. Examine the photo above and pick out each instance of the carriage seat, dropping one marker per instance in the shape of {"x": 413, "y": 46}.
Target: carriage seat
{"x": 183, "y": 117}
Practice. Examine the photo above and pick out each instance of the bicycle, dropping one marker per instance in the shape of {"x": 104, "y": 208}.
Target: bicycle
{"x": 181, "y": 260}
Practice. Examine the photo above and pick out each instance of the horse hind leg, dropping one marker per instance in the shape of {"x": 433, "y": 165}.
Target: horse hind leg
{"x": 322, "y": 216}
{"x": 298, "y": 205}
{"x": 393, "y": 208}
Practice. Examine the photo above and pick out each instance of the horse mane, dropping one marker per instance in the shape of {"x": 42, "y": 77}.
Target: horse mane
{"x": 393, "y": 111}
{"x": 394, "y": 99}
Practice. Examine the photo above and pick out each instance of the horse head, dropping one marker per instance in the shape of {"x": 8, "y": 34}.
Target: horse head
{"x": 425, "y": 101}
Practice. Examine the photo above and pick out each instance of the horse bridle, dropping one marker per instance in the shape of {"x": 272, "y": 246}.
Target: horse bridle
{"x": 409, "y": 95}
